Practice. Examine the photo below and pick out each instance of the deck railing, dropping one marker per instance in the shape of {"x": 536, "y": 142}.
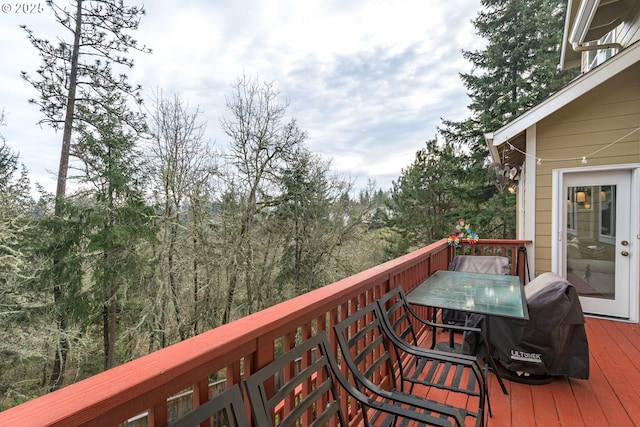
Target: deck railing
{"x": 237, "y": 349}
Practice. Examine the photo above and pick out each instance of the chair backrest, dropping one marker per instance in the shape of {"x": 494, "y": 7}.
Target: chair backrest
{"x": 228, "y": 405}
{"x": 399, "y": 315}
{"x": 365, "y": 350}
{"x": 480, "y": 264}
{"x": 308, "y": 395}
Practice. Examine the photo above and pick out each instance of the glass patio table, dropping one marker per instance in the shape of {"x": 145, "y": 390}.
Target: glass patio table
{"x": 480, "y": 293}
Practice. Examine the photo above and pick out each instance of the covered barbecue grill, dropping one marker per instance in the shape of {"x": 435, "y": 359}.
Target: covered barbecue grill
{"x": 552, "y": 342}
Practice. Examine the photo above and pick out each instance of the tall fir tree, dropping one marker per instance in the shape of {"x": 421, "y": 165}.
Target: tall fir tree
{"x": 114, "y": 214}
{"x": 517, "y": 69}
{"x": 77, "y": 70}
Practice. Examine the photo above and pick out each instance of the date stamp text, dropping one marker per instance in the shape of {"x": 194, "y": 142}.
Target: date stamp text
{"x": 21, "y": 8}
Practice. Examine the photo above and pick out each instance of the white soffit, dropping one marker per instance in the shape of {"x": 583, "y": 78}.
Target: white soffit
{"x": 571, "y": 92}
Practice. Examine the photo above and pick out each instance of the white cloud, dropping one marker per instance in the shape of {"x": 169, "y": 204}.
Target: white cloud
{"x": 368, "y": 80}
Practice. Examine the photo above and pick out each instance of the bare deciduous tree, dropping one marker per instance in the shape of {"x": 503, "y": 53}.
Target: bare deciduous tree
{"x": 261, "y": 141}
{"x": 182, "y": 165}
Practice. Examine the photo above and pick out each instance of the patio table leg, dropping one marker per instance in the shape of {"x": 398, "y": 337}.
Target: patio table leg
{"x": 492, "y": 362}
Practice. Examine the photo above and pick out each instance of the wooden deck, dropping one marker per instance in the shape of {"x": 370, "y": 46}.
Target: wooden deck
{"x": 610, "y": 397}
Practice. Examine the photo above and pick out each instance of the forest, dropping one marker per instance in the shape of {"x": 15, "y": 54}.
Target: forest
{"x": 154, "y": 235}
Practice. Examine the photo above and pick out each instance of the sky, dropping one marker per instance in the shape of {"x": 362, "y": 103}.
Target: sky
{"x": 368, "y": 80}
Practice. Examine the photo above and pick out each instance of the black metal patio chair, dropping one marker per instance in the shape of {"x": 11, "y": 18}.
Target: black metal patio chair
{"x": 228, "y": 406}
{"x": 398, "y": 318}
{"x": 365, "y": 340}
{"x": 309, "y": 394}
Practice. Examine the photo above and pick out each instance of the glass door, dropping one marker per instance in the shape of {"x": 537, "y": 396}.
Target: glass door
{"x": 596, "y": 240}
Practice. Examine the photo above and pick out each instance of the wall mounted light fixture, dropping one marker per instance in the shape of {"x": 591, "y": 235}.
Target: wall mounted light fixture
{"x": 583, "y": 197}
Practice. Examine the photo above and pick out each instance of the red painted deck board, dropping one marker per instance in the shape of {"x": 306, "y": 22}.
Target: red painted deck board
{"x": 609, "y": 398}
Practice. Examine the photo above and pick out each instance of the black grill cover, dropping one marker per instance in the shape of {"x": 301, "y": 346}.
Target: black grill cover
{"x": 553, "y": 341}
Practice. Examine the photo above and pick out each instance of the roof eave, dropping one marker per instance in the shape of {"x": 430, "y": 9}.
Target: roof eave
{"x": 495, "y": 156}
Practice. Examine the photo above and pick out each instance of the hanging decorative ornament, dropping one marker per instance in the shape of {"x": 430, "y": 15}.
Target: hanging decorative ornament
{"x": 460, "y": 231}
{"x": 503, "y": 175}
{"x": 453, "y": 240}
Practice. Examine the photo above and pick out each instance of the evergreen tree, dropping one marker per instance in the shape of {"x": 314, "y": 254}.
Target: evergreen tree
{"x": 428, "y": 197}
{"x": 514, "y": 71}
{"x": 314, "y": 217}
{"x": 71, "y": 82}
{"x": 77, "y": 72}
{"x": 114, "y": 214}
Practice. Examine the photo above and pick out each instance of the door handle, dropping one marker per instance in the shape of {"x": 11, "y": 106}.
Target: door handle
{"x": 624, "y": 253}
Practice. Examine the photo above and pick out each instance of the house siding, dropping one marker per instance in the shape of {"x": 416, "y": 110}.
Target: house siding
{"x": 585, "y": 127}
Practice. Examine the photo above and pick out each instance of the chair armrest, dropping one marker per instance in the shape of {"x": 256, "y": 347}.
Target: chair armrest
{"x": 442, "y": 356}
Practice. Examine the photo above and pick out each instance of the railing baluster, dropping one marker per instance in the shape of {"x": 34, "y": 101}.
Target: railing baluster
{"x": 158, "y": 415}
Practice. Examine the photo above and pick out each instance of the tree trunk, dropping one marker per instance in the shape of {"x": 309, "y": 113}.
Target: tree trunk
{"x": 111, "y": 288}
{"x": 109, "y": 323}
{"x": 60, "y": 358}
{"x": 105, "y": 335}
{"x": 113, "y": 321}
{"x": 173, "y": 281}
{"x": 62, "y": 344}
{"x": 196, "y": 286}
{"x": 239, "y": 257}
